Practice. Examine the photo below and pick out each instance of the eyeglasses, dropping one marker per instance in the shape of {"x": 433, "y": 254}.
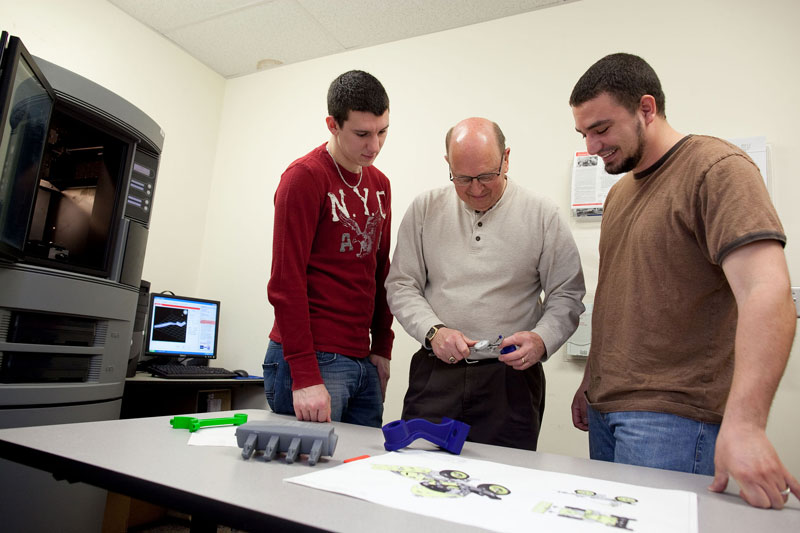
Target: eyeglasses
{"x": 465, "y": 181}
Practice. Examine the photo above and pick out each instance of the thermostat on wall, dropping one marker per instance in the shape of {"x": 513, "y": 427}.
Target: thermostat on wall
{"x": 578, "y": 345}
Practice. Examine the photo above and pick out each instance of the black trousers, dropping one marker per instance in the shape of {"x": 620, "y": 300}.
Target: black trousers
{"x": 503, "y": 406}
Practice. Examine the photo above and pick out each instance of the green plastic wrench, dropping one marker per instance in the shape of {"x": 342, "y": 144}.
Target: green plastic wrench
{"x": 193, "y": 424}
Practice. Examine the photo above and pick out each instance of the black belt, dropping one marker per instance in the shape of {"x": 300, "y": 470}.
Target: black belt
{"x": 478, "y": 362}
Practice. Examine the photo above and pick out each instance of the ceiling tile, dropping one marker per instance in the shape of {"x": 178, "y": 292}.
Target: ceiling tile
{"x": 233, "y": 44}
{"x": 359, "y": 23}
{"x": 456, "y": 14}
{"x": 232, "y": 36}
{"x": 164, "y": 15}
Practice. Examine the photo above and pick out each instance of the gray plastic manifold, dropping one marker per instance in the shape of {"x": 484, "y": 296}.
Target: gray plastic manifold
{"x": 292, "y": 438}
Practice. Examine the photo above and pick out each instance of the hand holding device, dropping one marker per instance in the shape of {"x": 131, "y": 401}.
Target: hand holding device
{"x": 488, "y": 349}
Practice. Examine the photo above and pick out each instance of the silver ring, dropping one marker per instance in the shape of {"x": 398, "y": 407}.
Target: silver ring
{"x": 452, "y": 359}
{"x": 786, "y": 492}
{"x": 523, "y": 360}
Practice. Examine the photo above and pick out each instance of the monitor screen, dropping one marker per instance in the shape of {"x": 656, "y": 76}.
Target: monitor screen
{"x": 181, "y": 326}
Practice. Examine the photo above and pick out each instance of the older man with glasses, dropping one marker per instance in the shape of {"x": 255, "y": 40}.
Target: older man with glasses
{"x": 471, "y": 262}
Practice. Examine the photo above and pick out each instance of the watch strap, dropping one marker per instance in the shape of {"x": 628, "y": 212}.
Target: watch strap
{"x": 432, "y": 333}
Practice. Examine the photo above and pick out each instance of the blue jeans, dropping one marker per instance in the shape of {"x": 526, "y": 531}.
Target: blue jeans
{"x": 352, "y": 383}
{"x": 657, "y": 440}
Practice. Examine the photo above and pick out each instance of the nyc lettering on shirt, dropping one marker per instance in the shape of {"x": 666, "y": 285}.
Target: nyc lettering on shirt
{"x": 365, "y": 237}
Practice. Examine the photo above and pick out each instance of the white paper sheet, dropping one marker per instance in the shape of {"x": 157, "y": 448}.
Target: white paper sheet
{"x": 590, "y": 184}
{"x": 214, "y": 436}
{"x": 505, "y": 498}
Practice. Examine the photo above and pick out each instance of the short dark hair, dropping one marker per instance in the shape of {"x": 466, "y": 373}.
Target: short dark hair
{"x": 626, "y": 77}
{"x": 356, "y": 90}
{"x": 498, "y": 134}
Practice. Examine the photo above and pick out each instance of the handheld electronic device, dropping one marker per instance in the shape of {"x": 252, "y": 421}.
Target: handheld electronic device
{"x": 488, "y": 350}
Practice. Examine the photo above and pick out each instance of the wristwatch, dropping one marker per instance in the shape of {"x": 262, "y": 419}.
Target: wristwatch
{"x": 432, "y": 333}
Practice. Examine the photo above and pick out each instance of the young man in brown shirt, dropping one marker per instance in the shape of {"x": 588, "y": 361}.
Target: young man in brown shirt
{"x": 693, "y": 317}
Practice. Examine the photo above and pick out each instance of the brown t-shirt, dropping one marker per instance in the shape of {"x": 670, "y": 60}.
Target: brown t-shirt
{"x": 664, "y": 315}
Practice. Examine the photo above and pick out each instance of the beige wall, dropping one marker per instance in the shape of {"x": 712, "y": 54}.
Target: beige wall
{"x": 726, "y": 71}
{"x": 727, "y": 66}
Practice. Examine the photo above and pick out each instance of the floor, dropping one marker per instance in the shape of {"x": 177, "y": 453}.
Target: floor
{"x": 172, "y": 524}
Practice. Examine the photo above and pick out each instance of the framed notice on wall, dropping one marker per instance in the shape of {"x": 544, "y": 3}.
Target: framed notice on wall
{"x": 591, "y": 182}
{"x": 590, "y": 185}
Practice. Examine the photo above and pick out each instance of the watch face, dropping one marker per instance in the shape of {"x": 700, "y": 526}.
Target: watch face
{"x": 431, "y": 332}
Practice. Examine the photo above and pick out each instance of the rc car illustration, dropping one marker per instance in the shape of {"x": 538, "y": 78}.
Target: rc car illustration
{"x": 445, "y": 483}
{"x": 616, "y": 500}
{"x": 588, "y": 515}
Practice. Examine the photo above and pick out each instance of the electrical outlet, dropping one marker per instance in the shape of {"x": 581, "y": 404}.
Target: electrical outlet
{"x": 796, "y": 298}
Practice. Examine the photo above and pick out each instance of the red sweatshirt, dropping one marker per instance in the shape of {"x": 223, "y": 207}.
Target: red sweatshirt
{"x": 330, "y": 257}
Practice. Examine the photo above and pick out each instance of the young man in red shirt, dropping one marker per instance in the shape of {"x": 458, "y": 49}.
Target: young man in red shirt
{"x": 329, "y": 350}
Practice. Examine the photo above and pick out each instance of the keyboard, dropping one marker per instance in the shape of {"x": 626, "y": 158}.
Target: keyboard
{"x": 189, "y": 372}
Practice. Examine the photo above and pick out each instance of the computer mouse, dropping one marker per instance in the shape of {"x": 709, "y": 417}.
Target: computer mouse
{"x": 241, "y": 373}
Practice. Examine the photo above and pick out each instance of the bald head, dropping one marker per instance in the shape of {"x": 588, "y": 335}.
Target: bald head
{"x": 474, "y": 133}
{"x": 478, "y": 161}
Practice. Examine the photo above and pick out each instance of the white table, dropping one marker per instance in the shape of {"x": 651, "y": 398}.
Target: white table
{"x": 145, "y": 458}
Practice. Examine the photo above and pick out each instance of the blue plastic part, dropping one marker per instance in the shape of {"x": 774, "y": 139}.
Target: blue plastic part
{"x": 508, "y": 349}
{"x": 450, "y": 434}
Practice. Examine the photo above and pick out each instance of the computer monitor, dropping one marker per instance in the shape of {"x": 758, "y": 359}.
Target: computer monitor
{"x": 182, "y": 326}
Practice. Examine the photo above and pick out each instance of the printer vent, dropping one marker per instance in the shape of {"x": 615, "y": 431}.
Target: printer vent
{"x": 100, "y": 333}
{"x": 5, "y": 321}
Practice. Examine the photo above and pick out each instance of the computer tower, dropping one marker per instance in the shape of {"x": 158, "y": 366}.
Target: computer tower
{"x": 137, "y": 341}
